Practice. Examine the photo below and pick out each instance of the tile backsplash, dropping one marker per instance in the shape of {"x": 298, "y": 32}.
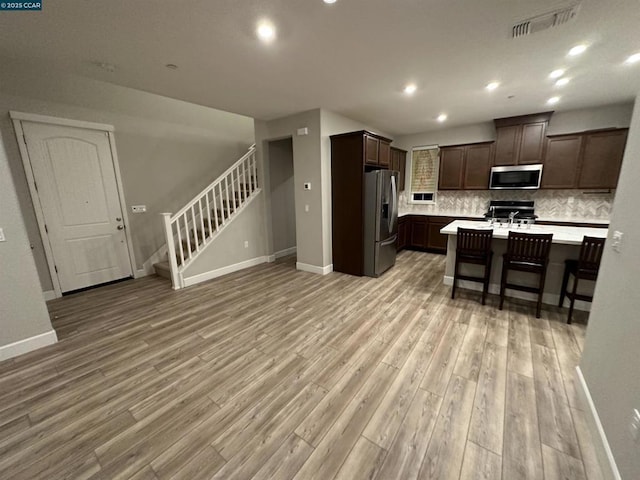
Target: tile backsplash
{"x": 560, "y": 205}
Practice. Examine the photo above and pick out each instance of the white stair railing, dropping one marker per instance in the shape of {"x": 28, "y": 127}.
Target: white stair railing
{"x": 190, "y": 230}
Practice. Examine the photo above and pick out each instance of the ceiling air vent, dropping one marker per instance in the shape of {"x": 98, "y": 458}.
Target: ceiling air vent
{"x": 545, "y": 21}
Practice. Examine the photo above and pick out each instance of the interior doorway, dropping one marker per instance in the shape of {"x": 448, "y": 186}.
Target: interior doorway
{"x": 281, "y": 189}
{"x": 75, "y": 186}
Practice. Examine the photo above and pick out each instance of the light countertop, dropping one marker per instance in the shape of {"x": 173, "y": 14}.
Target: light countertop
{"x": 561, "y": 234}
{"x": 597, "y": 221}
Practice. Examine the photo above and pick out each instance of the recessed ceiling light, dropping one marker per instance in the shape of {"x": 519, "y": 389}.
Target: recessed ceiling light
{"x": 553, "y": 100}
{"x": 266, "y": 31}
{"x": 329, "y": 1}
{"x": 492, "y": 86}
{"x": 563, "y": 81}
{"x": 410, "y": 89}
{"x": 577, "y": 50}
{"x": 556, "y": 73}
{"x": 633, "y": 58}
{"x": 442, "y": 117}
{"x": 171, "y": 66}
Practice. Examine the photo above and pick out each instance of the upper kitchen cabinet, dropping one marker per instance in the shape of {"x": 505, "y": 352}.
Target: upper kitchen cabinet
{"x": 377, "y": 149}
{"x": 562, "y": 161}
{"x": 465, "y": 166}
{"x": 602, "y": 158}
{"x": 451, "y": 168}
{"x": 521, "y": 140}
{"x": 398, "y": 163}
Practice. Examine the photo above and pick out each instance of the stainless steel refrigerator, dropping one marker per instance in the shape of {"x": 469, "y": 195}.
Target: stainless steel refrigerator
{"x": 380, "y": 221}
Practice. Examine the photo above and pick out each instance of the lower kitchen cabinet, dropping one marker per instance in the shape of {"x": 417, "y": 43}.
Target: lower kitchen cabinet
{"x": 436, "y": 241}
{"x": 421, "y": 232}
{"x": 403, "y": 225}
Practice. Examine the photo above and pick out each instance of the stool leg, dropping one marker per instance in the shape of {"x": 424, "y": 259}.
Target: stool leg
{"x": 573, "y": 297}
{"x": 543, "y": 276}
{"x": 503, "y": 282}
{"x": 565, "y": 282}
{"x": 487, "y": 276}
{"x": 455, "y": 277}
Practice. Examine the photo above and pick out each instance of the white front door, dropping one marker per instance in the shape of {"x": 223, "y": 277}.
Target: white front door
{"x": 76, "y": 184}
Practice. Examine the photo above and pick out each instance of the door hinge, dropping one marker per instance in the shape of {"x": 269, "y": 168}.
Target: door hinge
{"x": 56, "y": 267}
{"x": 24, "y": 137}
{"x": 45, "y": 228}
{"x": 35, "y": 184}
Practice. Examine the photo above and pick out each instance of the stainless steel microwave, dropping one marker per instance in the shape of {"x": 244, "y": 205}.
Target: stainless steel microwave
{"x": 521, "y": 177}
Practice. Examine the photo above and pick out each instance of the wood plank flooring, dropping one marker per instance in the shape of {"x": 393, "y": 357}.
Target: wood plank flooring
{"x": 272, "y": 373}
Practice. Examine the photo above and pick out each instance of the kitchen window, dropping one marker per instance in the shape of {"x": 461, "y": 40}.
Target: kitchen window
{"x": 424, "y": 168}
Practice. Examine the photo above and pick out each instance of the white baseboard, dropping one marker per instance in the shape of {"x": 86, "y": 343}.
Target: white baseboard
{"x": 49, "y": 295}
{"x": 203, "y": 277}
{"x": 305, "y": 267}
{"x": 27, "y": 345}
{"x": 159, "y": 255}
{"x": 603, "y": 450}
{"x": 285, "y": 252}
{"x": 547, "y": 298}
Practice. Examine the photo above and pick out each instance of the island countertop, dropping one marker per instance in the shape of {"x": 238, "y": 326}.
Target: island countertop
{"x": 561, "y": 234}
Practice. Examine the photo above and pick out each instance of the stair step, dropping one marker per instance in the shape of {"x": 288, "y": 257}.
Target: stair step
{"x": 162, "y": 269}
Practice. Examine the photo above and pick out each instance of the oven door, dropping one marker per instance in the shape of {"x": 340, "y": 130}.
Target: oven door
{"x": 521, "y": 177}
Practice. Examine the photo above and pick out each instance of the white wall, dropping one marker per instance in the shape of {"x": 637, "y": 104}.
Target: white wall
{"x": 306, "y": 168}
{"x": 23, "y": 312}
{"x": 168, "y": 149}
{"x": 610, "y": 359}
{"x": 281, "y": 188}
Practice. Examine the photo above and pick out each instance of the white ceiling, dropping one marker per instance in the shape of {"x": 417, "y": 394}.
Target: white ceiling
{"x": 353, "y": 57}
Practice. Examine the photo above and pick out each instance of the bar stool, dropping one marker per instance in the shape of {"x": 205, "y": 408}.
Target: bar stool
{"x": 474, "y": 246}
{"x": 526, "y": 252}
{"x": 586, "y": 267}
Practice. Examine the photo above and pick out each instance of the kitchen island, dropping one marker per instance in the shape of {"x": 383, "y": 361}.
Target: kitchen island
{"x": 566, "y": 244}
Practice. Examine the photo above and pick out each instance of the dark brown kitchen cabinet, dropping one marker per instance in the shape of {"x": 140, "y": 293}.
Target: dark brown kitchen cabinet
{"x": 521, "y": 140}
{"x": 403, "y": 226}
{"x": 377, "y": 150}
{"x": 601, "y": 158}
{"x": 561, "y": 161}
{"x": 398, "y": 163}
{"x": 351, "y": 155}
{"x": 436, "y": 241}
{"x": 465, "y": 166}
{"x": 451, "y": 168}
{"x": 418, "y": 232}
{"x": 477, "y": 166}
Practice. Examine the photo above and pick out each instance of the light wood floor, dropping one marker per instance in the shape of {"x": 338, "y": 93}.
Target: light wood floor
{"x": 275, "y": 373}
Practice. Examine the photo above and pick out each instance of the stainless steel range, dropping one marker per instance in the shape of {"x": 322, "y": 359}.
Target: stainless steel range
{"x": 512, "y": 211}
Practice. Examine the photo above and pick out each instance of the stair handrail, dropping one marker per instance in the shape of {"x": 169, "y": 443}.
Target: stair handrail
{"x": 218, "y": 180}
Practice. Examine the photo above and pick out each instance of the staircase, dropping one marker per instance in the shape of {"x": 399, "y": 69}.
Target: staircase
{"x": 200, "y": 221}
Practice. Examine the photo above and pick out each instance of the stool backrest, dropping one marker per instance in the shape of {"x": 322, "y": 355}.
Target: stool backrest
{"x": 591, "y": 253}
{"x": 529, "y": 247}
{"x": 471, "y": 240}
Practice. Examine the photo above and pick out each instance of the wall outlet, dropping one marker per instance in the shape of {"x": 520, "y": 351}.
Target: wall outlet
{"x": 306, "y": 208}
{"x": 138, "y": 208}
{"x": 307, "y": 185}
{"x": 246, "y": 244}
{"x": 617, "y": 241}
{"x": 2, "y": 238}
{"x": 634, "y": 426}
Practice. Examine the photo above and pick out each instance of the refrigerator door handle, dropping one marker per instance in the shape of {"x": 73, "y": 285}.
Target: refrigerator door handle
{"x": 394, "y": 199}
{"x": 389, "y": 241}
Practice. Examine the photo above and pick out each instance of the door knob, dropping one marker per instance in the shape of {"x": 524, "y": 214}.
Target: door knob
{"x": 120, "y": 227}
{"x": 118, "y": 219}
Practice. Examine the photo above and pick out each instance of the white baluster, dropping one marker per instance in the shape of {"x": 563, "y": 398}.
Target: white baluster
{"x": 180, "y": 246}
{"x": 208, "y": 210}
{"x": 171, "y": 248}
{"x": 215, "y": 207}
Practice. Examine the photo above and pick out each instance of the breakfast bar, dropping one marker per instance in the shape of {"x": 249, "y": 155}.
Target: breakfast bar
{"x": 566, "y": 245}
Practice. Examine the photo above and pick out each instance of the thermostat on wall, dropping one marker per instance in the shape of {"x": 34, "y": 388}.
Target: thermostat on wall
{"x": 303, "y": 131}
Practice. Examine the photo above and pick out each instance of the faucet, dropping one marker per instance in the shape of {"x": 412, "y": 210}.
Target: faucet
{"x": 512, "y": 215}
{"x": 493, "y": 215}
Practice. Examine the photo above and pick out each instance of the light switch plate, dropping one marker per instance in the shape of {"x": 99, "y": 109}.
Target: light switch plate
{"x": 616, "y": 243}
{"x": 138, "y": 208}
{"x": 307, "y": 185}
{"x": 2, "y": 239}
